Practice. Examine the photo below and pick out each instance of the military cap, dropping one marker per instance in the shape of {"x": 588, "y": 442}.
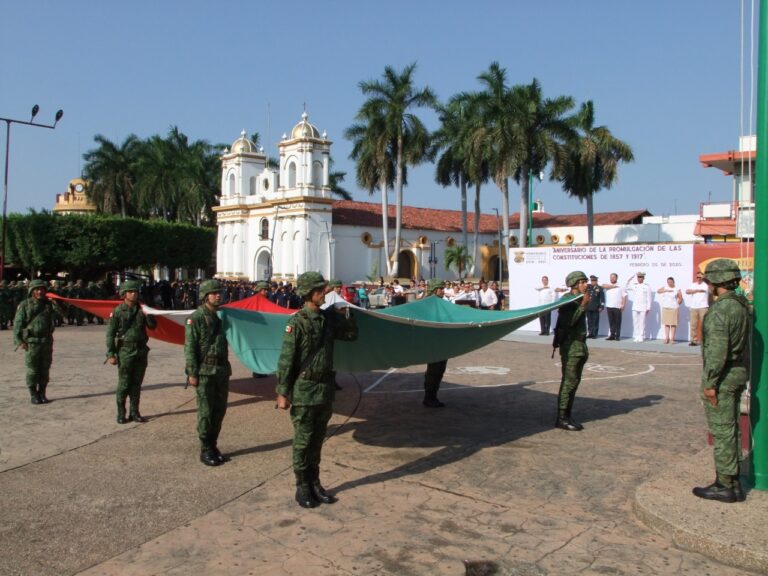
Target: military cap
{"x": 262, "y": 285}
{"x": 722, "y": 270}
{"x": 434, "y": 284}
{"x": 35, "y": 284}
{"x": 592, "y": 277}
{"x": 129, "y": 286}
{"x": 334, "y": 283}
{"x": 209, "y": 286}
{"x": 309, "y": 281}
{"x": 574, "y": 278}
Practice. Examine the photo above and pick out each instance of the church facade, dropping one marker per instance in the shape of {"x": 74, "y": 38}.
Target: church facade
{"x": 281, "y": 222}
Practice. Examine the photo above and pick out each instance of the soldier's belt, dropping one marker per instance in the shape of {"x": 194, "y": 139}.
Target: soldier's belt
{"x": 37, "y": 339}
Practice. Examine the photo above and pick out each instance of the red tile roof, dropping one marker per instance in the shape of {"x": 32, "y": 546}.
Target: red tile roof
{"x": 368, "y": 214}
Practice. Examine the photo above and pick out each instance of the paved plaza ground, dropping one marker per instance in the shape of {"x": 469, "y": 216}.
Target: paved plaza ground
{"x": 486, "y": 480}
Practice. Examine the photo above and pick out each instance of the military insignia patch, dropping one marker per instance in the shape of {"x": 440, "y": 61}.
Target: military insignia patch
{"x": 289, "y": 329}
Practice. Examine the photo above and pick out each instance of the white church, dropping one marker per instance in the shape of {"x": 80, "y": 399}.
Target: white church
{"x": 279, "y": 224}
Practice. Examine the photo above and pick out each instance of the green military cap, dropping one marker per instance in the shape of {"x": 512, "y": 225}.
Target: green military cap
{"x": 309, "y": 281}
{"x": 334, "y": 283}
{"x": 262, "y": 285}
{"x": 434, "y": 284}
{"x": 35, "y": 284}
{"x": 209, "y": 286}
{"x": 574, "y": 278}
{"x": 129, "y": 286}
{"x": 722, "y": 270}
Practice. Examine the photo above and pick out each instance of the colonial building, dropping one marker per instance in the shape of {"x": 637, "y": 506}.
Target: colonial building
{"x": 282, "y": 222}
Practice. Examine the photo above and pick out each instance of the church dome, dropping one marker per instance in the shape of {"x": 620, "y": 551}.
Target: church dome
{"x": 243, "y": 145}
{"x": 304, "y": 129}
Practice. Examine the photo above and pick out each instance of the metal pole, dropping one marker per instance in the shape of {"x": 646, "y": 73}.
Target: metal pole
{"x": 759, "y": 401}
{"x": 8, "y": 122}
{"x": 5, "y": 197}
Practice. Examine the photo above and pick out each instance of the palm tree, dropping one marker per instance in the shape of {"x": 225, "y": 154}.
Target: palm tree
{"x": 541, "y": 128}
{"x": 111, "y": 172}
{"x": 590, "y": 160}
{"x": 457, "y": 257}
{"x": 391, "y": 101}
{"x": 374, "y": 167}
{"x": 335, "y": 178}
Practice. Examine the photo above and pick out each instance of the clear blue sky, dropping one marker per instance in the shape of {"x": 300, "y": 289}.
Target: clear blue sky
{"x": 664, "y": 77}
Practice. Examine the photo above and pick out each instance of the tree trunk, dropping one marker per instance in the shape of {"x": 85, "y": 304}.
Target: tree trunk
{"x": 504, "y": 187}
{"x": 385, "y": 224}
{"x": 590, "y": 220}
{"x": 398, "y": 206}
{"x": 463, "y": 191}
{"x": 524, "y": 191}
{"x": 477, "y": 230}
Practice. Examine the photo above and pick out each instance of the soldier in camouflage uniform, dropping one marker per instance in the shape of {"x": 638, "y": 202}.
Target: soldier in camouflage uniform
{"x": 305, "y": 382}
{"x": 127, "y": 349}
{"x": 33, "y": 329}
{"x": 208, "y": 370}
{"x": 6, "y": 303}
{"x": 725, "y": 348}
{"x": 435, "y": 370}
{"x": 571, "y": 338}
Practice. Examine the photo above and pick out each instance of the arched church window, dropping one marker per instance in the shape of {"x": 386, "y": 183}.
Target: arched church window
{"x": 317, "y": 174}
{"x": 231, "y": 184}
{"x": 292, "y": 175}
{"x": 252, "y": 186}
{"x": 264, "y": 229}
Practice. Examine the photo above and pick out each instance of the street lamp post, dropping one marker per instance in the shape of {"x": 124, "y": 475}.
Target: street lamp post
{"x": 272, "y": 244}
{"x": 433, "y": 258}
{"x": 8, "y": 122}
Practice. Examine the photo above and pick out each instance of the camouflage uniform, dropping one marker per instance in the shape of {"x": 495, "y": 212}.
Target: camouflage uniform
{"x": 33, "y": 326}
{"x": 305, "y": 376}
{"x": 207, "y": 359}
{"x": 127, "y": 342}
{"x": 570, "y": 337}
{"x": 725, "y": 345}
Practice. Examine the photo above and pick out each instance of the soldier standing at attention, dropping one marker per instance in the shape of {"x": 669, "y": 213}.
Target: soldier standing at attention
{"x": 127, "y": 349}
{"x": 596, "y": 305}
{"x": 33, "y": 329}
{"x": 435, "y": 370}
{"x": 305, "y": 382}
{"x": 208, "y": 370}
{"x": 725, "y": 347}
{"x": 571, "y": 338}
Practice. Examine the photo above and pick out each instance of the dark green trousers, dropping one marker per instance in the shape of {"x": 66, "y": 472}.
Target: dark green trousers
{"x": 723, "y": 421}
{"x": 434, "y": 375}
{"x": 38, "y": 361}
{"x": 212, "y": 393}
{"x": 309, "y": 426}
{"x": 573, "y": 357}
{"x": 132, "y": 365}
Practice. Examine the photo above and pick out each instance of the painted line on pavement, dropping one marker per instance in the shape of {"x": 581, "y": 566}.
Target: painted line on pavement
{"x": 380, "y": 380}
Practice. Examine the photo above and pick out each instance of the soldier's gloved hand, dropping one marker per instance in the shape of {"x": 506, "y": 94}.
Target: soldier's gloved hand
{"x": 112, "y": 360}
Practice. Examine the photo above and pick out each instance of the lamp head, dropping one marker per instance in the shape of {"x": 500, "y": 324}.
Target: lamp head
{"x": 35, "y": 110}
{"x": 59, "y": 116}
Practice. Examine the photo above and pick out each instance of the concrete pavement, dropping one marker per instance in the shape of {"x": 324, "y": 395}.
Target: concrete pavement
{"x": 486, "y": 480}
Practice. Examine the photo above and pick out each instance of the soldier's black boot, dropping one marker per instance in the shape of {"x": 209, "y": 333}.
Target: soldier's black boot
{"x": 716, "y": 491}
{"x": 208, "y": 457}
{"x": 42, "y": 396}
{"x": 34, "y": 397}
{"x": 317, "y": 489}
{"x": 219, "y": 456}
{"x": 135, "y": 414}
{"x": 431, "y": 401}
{"x": 564, "y": 422}
{"x": 738, "y": 491}
{"x": 304, "y": 491}
{"x": 121, "y": 419}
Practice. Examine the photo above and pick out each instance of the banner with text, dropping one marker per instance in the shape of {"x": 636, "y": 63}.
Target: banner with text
{"x": 657, "y": 261}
